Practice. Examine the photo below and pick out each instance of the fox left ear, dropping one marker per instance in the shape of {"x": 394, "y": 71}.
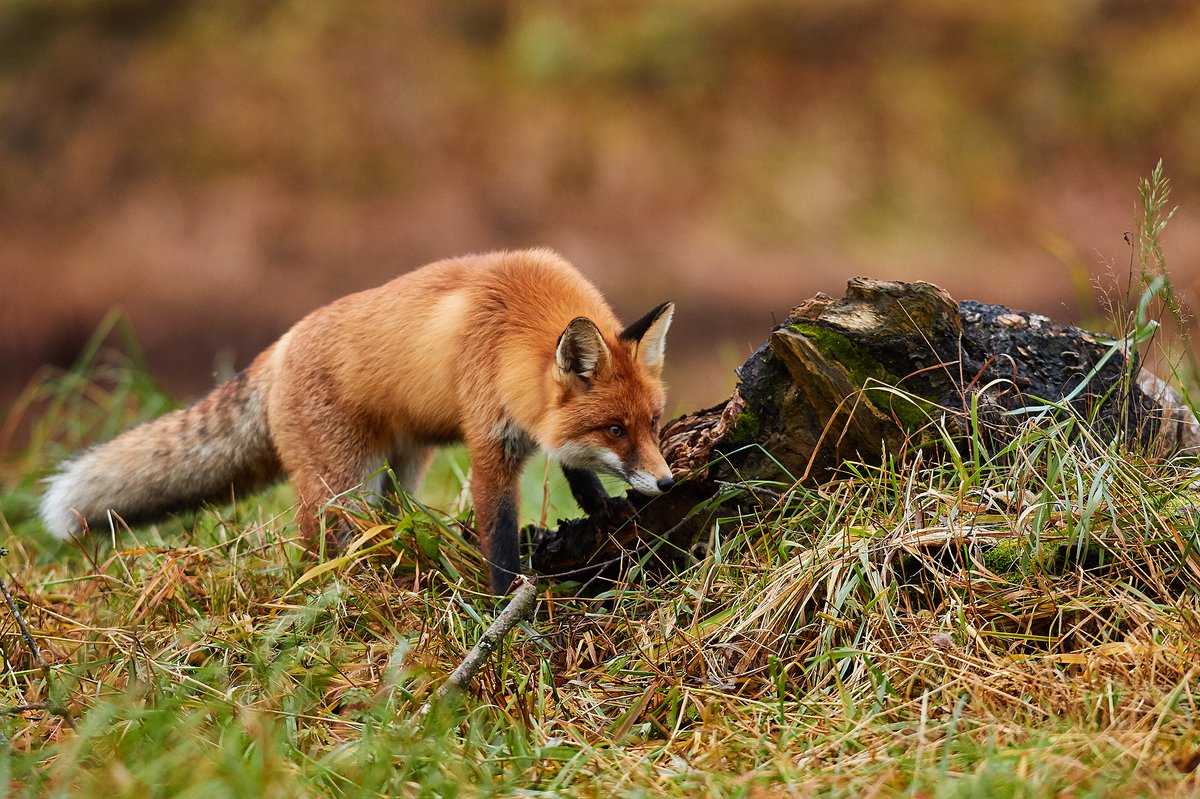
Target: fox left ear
{"x": 650, "y": 335}
{"x": 580, "y": 353}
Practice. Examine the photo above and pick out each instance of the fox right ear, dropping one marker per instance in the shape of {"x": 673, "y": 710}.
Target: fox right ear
{"x": 581, "y": 352}
{"x": 650, "y": 335}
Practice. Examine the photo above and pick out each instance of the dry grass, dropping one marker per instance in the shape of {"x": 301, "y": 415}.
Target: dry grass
{"x": 1023, "y": 623}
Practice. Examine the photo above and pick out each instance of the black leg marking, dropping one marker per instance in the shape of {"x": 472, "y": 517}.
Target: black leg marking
{"x": 504, "y": 559}
{"x": 593, "y": 499}
{"x": 586, "y": 488}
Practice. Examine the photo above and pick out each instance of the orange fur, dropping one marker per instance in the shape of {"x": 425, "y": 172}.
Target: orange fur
{"x": 481, "y": 349}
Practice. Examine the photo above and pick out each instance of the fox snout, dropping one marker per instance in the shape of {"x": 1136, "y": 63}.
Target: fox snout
{"x": 651, "y": 483}
{"x": 646, "y": 483}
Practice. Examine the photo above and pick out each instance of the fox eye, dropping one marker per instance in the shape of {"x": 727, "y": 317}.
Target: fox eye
{"x": 615, "y": 430}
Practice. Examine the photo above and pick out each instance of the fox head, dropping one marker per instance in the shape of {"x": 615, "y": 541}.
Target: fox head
{"x": 610, "y": 400}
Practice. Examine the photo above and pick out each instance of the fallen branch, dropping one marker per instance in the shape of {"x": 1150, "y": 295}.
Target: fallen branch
{"x": 520, "y": 608}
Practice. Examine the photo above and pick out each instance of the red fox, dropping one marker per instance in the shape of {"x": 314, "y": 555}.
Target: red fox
{"x": 506, "y": 352}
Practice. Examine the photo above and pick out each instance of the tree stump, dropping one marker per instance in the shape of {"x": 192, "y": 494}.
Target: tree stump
{"x": 889, "y": 367}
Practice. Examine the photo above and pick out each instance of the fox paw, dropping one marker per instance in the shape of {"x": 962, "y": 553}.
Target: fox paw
{"x": 614, "y": 510}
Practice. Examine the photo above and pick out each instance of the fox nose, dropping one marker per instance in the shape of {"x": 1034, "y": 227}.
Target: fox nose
{"x": 665, "y": 482}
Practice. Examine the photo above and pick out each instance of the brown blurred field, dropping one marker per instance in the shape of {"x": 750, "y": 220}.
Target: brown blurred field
{"x": 219, "y": 169}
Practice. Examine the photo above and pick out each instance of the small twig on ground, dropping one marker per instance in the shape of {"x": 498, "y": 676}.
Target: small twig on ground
{"x": 31, "y": 645}
{"x": 519, "y": 608}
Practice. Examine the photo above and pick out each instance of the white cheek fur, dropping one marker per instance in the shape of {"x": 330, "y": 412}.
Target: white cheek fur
{"x": 581, "y": 456}
{"x": 602, "y": 459}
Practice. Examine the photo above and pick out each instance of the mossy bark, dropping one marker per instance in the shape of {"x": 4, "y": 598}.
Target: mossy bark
{"x": 889, "y": 367}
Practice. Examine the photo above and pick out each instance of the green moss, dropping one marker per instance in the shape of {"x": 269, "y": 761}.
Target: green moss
{"x": 745, "y": 427}
{"x": 842, "y": 349}
{"x": 913, "y": 412}
{"x": 1016, "y": 556}
{"x": 1004, "y": 557}
{"x": 863, "y": 369}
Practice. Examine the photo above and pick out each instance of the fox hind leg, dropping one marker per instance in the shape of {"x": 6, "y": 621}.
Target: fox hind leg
{"x": 321, "y": 471}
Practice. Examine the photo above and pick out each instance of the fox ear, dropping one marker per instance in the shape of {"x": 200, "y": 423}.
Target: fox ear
{"x": 650, "y": 334}
{"x": 581, "y": 352}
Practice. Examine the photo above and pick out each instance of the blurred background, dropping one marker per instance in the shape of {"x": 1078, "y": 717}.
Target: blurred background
{"x": 219, "y": 169}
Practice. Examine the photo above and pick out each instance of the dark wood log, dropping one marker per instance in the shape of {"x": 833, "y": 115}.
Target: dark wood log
{"x": 886, "y": 369}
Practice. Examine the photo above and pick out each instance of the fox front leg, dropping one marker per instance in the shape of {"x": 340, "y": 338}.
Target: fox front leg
{"x": 592, "y": 498}
{"x": 494, "y": 485}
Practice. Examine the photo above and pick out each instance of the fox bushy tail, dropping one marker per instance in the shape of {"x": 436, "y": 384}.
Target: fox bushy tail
{"x": 210, "y": 450}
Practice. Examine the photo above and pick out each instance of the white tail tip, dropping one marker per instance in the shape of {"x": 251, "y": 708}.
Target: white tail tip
{"x": 58, "y": 516}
